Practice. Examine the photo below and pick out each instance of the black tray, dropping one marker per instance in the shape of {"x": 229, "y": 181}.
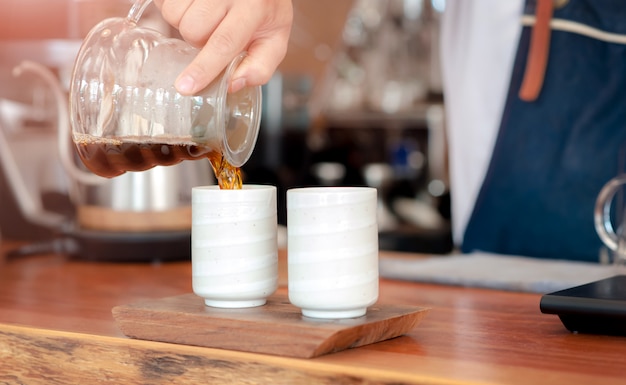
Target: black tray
{"x": 598, "y": 307}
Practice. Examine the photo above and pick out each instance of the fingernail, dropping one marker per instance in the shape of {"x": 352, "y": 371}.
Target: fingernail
{"x": 185, "y": 84}
{"x": 237, "y": 85}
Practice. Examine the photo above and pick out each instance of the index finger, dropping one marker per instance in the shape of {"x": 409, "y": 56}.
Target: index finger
{"x": 229, "y": 39}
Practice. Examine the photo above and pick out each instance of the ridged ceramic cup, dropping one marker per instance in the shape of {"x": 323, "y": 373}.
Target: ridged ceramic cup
{"x": 332, "y": 238}
{"x": 234, "y": 255}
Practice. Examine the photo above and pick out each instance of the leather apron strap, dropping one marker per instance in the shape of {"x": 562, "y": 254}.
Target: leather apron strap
{"x": 537, "y": 60}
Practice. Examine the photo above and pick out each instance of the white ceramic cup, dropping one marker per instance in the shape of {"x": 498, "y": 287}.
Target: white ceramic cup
{"x": 234, "y": 253}
{"x": 332, "y": 242}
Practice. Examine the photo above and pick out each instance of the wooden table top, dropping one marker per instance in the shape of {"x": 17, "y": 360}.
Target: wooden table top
{"x": 56, "y": 326}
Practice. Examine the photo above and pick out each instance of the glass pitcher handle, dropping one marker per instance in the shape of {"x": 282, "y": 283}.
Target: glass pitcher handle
{"x": 137, "y": 10}
{"x": 602, "y": 212}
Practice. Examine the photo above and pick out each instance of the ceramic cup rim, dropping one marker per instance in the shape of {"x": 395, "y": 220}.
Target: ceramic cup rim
{"x": 214, "y": 195}
{"x": 244, "y": 187}
{"x": 326, "y": 196}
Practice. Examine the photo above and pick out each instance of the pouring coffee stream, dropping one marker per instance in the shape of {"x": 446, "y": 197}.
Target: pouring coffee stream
{"x": 126, "y": 114}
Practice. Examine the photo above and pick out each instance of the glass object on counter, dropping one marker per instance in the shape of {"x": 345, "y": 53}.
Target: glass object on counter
{"x": 126, "y": 114}
{"x": 610, "y": 221}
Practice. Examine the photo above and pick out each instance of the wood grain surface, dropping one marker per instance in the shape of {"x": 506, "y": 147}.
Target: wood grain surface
{"x": 56, "y": 327}
{"x": 275, "y": 328}
{"x": 36, "y": 356}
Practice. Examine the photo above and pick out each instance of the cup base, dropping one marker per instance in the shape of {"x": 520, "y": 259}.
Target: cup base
{"x": 234, "y": 304}
{"x": 334, "y": 314}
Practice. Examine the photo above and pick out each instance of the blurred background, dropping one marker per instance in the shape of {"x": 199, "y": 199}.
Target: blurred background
{"x": 357, "y": 101}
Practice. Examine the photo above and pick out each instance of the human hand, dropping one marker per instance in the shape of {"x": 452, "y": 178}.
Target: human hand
{"x": 224, "y": 28}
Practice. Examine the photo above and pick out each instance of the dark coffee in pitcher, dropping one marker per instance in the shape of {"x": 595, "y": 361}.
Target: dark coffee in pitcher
{"x": 110, "y": 157}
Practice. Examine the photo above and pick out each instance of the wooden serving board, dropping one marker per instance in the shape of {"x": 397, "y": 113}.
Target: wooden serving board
{"x": 276, "y": 328}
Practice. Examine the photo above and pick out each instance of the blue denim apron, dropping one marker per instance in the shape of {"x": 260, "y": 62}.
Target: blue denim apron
{"x": 553, "y": 155}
